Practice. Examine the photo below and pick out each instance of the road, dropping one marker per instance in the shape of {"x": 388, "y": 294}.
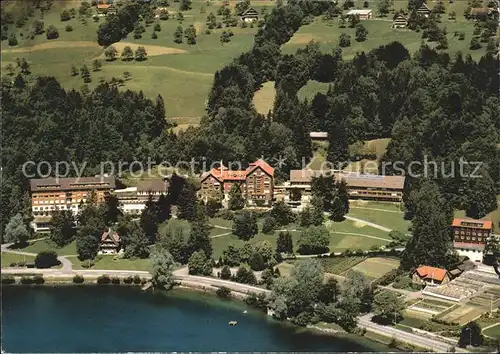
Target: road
{"x": 67, "y": 266}
{"x": 407, "y": 337}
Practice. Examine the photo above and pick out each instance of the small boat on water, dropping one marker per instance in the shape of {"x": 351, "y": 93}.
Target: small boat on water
{"x": 245, "y": 311}
{"x": 233, "y": 323}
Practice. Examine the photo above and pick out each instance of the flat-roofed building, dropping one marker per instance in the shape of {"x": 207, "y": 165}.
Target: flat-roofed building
{"x": 469, "y": 237}
{"x": 132, "y": 200}
{"x": 365, "y": 14}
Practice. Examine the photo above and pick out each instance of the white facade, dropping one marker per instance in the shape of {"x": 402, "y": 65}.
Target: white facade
{"x": 473, "y": 255}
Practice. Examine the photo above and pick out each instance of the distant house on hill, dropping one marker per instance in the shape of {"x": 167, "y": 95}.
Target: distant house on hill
{"x": 400, "y": 21}
{"x": 319, "y": 136}
{"x": 424, "y": 10}
{"x": 365, "y": 14}
{"x": 110, "y": 242}
{"x": 431, "y": 276}
{"x": 106, "y": 9}
{"x": 250, "y": 15}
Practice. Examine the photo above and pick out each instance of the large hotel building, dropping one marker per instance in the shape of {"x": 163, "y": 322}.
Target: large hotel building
{"x": 51, "y": 194}
{"x": 469, "y": 237}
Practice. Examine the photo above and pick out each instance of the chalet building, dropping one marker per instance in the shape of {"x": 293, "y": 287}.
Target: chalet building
{"x": 318, "y": 136}
{"x": 360, "y": 186}
{"x": 132, "y": 200}
{"x": 431, "y": 276}
{"x": 400, "y": 21}
{"x": 424, "y": 10}
{"x": 50, "y": 194}
{"x": 110, "y": 242}
{"x": 469, "y": 237}
{"x": 365, "y": 14}
{"x": 256, "y": 183}
{"x": 106, "y": 9}
{"x": 250, "y": 15}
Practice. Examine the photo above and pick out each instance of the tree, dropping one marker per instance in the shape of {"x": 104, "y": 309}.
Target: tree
{"x": 185, "y": 5}
{"x": 65, "y": 15}
{"x": 140, "y": 54}
{"x": 137, "y": 242}
{"x": 471, "y": 335}
{"x": 38, "y": 27}
{"x": 269, "y": 225}
{"x": 282, "y": 213}
{"x": 157, "y": 27}
{"x": 317, "y": 210}
{"x": 87, "y": 241}
{"x": 24, "y": 66}
{"x": 314, "y": 240}
{"x": 474, "y": 43}
{"x": 46, "y": 259}
{"x": 164, "y": 15}
{"x": 127, "y": 75}
{"x": 443, "y": 42}
{"x": 111, "y": 210}
{"x": 212, "y": 206}
{"x": 236, "y": 201}
{"x": 344, "y": 40}
{"x": 163, "y": 266}
{"x": 225, "y": 273}
{"x": 10, "y": 69}
{"x": 198, "y": 264}
{"x": 284, "y": 243}
{"x": 190, "y": 34}
{"x": 149, "y": 220}
{"x": 361, "y": 32}
{"x": 481, "y": 196}
{"x": 231, "y": 256}
{"x": 245, "y": 225}
{"x": 127, "y": 53}
{"x": 353, "y": 20}
{"x": 199, "y": 238}
{"x": 225, "y": 37}
{"x": 354, "y": 285}
{"x": 211, "y": 21}
{"x": 179, "y": 17}
{"x": 12, "y": 39}
{"x": 111, "y": 53}
{"x": 492, "y": 46}
{"x": 187, "y": 201}
{"x": 388, "y": 307}
{"x": 85, "y": 74}
{"x": 68, "y": 28}
{"x": 96, "y": 65}
{"x": 329, "y": 291}
{"x": 178, "y": 34}
{"x": 338, "y": 148}
{"x": 16, "y": 231}
{"x": 52, "y": 32}
{"x": 384, "y": 7}
{"x": 245, "y": 275}
{"x": 256, "y": 262}
{"x": 242, "y": 6}
{"x": 63, "y": 227}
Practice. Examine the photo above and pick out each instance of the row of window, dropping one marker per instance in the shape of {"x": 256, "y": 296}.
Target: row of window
{"x": 59, "y": 201}
{"x": 469, "y": 238}
{"x": 62, "y": 207}
{"x": 476, "y": 233}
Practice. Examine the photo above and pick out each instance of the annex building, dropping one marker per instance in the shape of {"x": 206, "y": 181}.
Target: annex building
{"x": 132, "y": 200}
{"x": 469, "y": 237}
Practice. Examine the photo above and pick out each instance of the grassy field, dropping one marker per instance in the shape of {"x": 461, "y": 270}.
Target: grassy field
{"x": 338, "y": 265}
{"x": 493, "y": 332}
{"x": 390, "y": 219}
{"x": 8, "y": 258}
{"x": 263, "y": 98}
{"x": 44, "y": 245}
{"x": 181, "y": 73}
{"x": 375, "y": 267}
{"x": 309, "y": 90}
{"x": 380, "y": 32}
{"x": 494, "y": 216}
{"x": 114, "y": 263}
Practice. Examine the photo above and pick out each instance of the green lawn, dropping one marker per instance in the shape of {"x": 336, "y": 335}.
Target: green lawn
{"x": 112, "y": 262}
{"x": 8, "y": 258}
{"x": 309, "y": 90}
{"x": 184, "y": 80}
{"x": 389, "y": 219}
{"x": 493, "y": 331}
{"x": 44, "y": 245}
{"x": 380, "y": 32}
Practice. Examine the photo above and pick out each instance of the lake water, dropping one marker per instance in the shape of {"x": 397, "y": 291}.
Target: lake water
{"x": 118, "y": 319}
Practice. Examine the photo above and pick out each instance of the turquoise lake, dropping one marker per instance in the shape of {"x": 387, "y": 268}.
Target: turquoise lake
{"x": 119, "y": 319}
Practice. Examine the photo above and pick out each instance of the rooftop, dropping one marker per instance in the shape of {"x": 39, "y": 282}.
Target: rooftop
{"x": 472, "y": 223}
{"x": 352, "y": 179}
{"x": 433, "y": 273}
{"x": 77, "y": 183}
{"x": 152, "y": 185}
{"x": 359, "y": 12}
{"x": 224, "y": 174}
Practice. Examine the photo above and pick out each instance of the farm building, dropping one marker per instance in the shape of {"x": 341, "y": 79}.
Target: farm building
{"x": 400, "y": 21}
{"x": 424, "y": 10}
{"x": 250, "y": 15}
{"x": 365, "y": 14}
{"x": 106, "y": 9}
{"x": 431, "y": 276}
{"x": 319, "y": 136}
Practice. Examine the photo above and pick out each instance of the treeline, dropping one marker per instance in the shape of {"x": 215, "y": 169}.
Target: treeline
{"x": 120, "y": 25}
{"x": 44, "y": 122}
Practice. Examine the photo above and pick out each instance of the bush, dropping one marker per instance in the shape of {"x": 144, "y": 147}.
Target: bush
{"x": 8, "y": 279}
{"x": 103, "y": 280}
{"x": 225, "y": 273}
{"x": 245, "y": 276}
{"x": 52, "y": 32}
{"x": 68, "y": 28}
{"x": 128, "y": 280}
{"x": 87, "y": 264}
{"x": 137, "y": 279}
{"x": 115, "y": 280}
{"x": 78, "y": 279}
{"x": 225, "y": 214}
{"x": 26, "y": 280}
{"x": 269, "y": 225}
{"x": 46, "y": 259}
{"x": 223, "y": 292}
{"x": 258, "y": 301}
{"x": 38, "y": 279}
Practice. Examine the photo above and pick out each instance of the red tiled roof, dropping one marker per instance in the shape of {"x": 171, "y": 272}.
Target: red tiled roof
{"x": 480, "y": 224}
{"x": 431, "y": 273}
{"x": 224, "y": 174}
{"x": 103, "y": 6}
{"x": 262, "y": 164}
{"x": 113, "y": 236}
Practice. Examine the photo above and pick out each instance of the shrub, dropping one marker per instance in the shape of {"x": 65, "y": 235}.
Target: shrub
{"x": 8, "y": 279}
{"x": 46, "y": 259}
{"x": 269, "y": 225}
{"x": 137, "y": 279}
{"x": 245, "y": 276}
{"x": 103, "y": 279}
{"x": 78, "y": 279}
{"x": 128, "y": 280}
{"x": 52, "y": 32}
{"x": 38, "y": 279}
{"x": 224, "y": 292}
{"x": 115, "y": 280}
{"x": 87, "y": 264}
{"x": 225, "y": 273}
{"x": 225, "y": 214}
{"x": 26, "y": 280}
{"x": 68, "y": 28}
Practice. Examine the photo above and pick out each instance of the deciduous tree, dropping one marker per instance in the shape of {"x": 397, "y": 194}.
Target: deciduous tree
{"x": 16, "y": 230}
{"x": 245, "y": 225}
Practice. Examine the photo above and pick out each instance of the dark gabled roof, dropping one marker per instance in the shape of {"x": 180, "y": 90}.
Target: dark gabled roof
{"x": 250, "y": 11}
{"x": 152, "y": 185}
{"x": 78, "y": 183}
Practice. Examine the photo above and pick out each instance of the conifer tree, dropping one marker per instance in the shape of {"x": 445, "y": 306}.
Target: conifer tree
{"x": 236, "y": 201}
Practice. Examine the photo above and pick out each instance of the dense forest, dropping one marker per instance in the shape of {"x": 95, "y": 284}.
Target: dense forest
{"x": 431, "y": 105}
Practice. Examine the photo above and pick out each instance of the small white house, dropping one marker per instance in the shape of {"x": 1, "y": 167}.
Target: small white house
{"x": 365, "y": 14}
